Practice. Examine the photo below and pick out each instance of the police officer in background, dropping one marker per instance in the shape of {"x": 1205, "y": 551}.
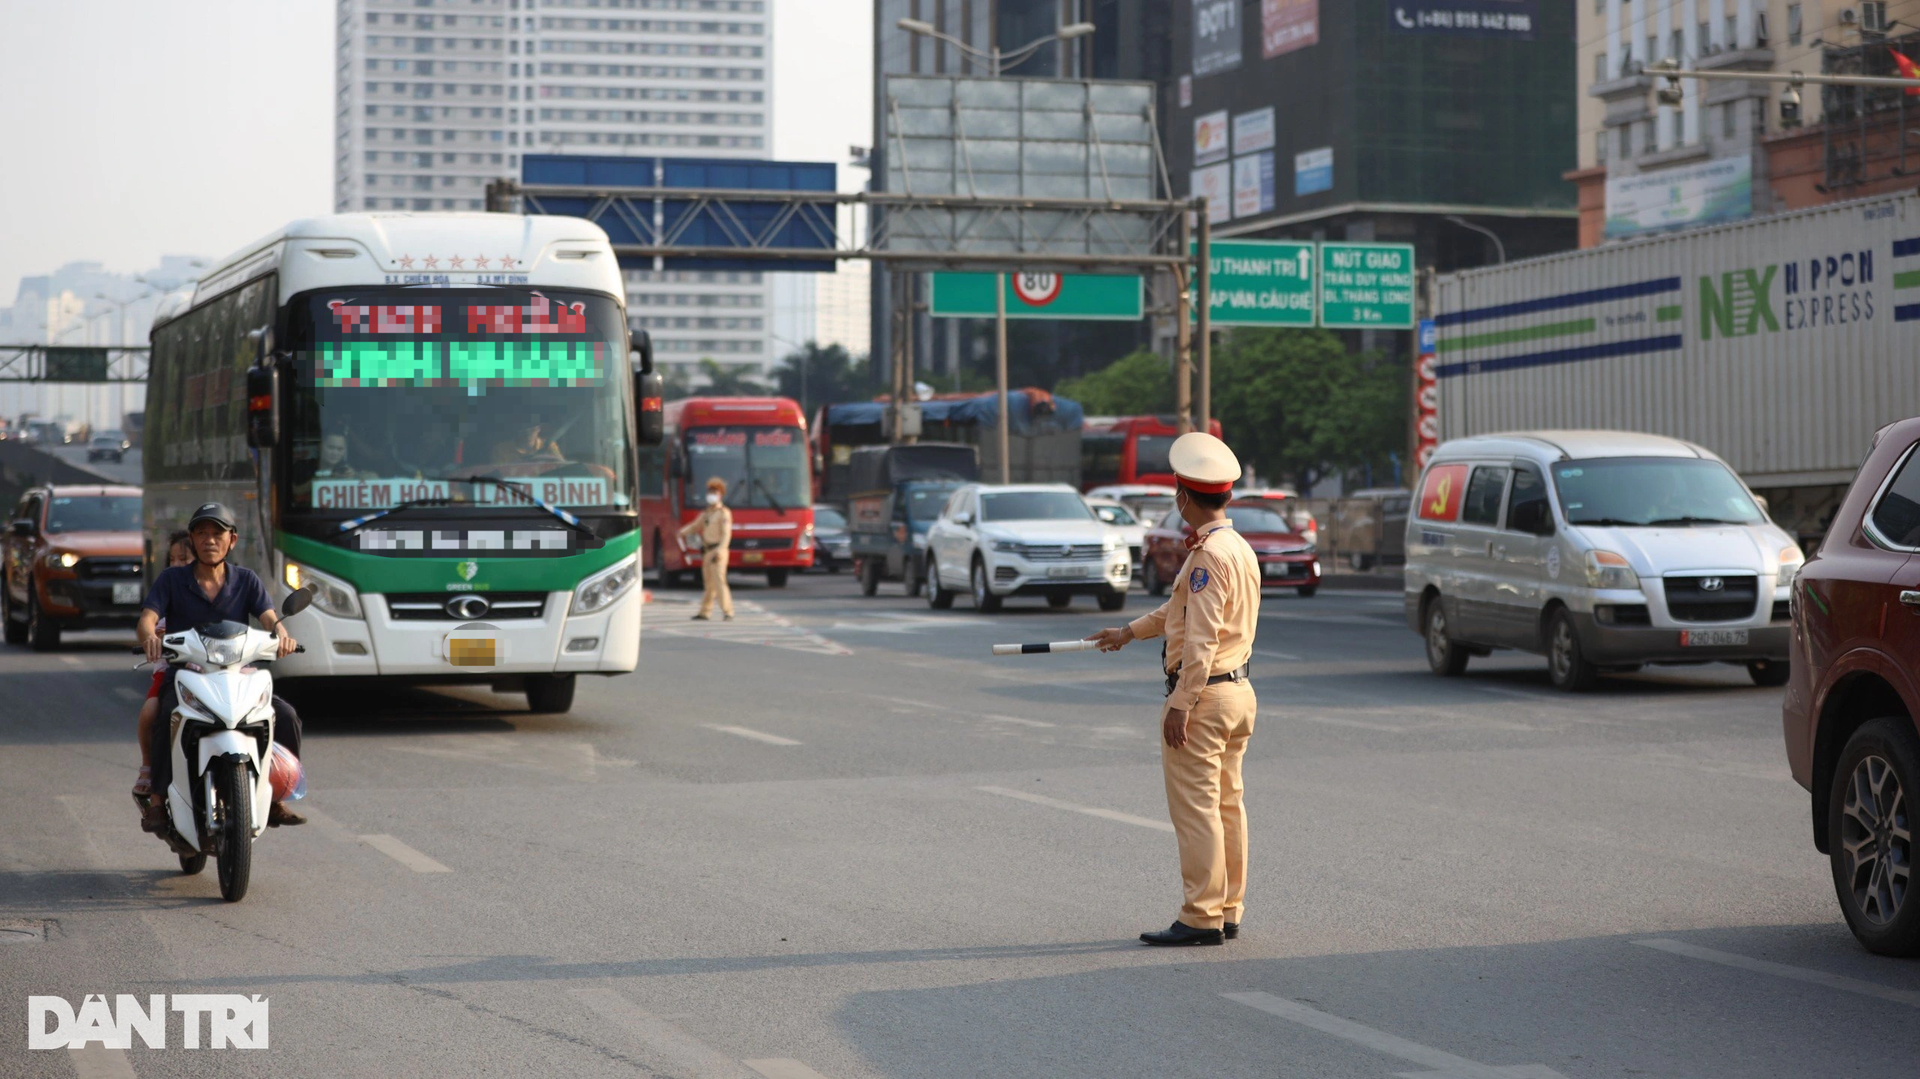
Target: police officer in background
{"x": 1209, "y": 626}
{"x": 714, "y": 530}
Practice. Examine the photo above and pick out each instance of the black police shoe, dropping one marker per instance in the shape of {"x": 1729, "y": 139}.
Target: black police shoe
{"x": 1180, "y": 934}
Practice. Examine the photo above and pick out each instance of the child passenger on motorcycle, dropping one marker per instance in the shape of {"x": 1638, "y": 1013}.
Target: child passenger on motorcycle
{"x": 179, "y": 553}
{"x": 209, "y": 590}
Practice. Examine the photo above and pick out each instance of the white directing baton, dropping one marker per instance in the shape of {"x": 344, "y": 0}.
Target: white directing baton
{"x": 1044, "y": 649}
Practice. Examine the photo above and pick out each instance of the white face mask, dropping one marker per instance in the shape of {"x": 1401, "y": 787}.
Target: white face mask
{"x": 713, "y": 499}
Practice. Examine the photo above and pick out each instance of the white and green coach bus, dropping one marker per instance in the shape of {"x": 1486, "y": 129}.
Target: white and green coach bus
{"x": 432, "y": 417}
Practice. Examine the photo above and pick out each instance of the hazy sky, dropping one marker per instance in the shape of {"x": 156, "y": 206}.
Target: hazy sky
{"x": 136, "y": 128}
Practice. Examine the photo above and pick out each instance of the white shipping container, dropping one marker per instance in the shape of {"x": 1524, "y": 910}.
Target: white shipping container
{"x": 1781, "y": 343}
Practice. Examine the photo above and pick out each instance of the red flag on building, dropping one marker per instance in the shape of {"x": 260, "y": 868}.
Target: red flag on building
{"x": 1908, "y": 70}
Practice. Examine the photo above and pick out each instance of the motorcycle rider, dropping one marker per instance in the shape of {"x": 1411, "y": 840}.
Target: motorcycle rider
{"x": 209, "y": 590}
{"x": 179, "y": 553}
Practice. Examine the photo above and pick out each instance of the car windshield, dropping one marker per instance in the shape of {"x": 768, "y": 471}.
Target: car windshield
{"x": 925, "y": 503}
{"x": 1643, "y": 491}
{"x": 1150, "y": 507}
{"x": 1114, "y": 515}
{"x": 1033, "y": 506}
{"x": 1257, "y": 519}
{"x": 402, "y": 393}
{"x": 825, "y": 517}
{"x": 764, "y": 467}
{"x": 94, "y": 513}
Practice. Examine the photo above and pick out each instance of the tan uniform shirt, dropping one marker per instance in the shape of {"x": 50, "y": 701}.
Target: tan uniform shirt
{"x": 714, "y": 526}
{"x": 1210, "y": 621}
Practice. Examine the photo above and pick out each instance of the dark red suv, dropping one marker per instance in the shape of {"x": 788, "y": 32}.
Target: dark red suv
{"x": 1854, "y": 694}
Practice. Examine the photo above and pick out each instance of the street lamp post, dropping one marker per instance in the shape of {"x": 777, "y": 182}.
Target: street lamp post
{"x": 997, "y": 62}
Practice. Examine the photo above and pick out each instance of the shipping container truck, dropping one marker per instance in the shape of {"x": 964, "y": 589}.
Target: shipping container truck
{"x": 1780, "y": 343}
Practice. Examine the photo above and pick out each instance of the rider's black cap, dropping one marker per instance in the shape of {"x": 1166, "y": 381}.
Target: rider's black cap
{"x": 216, "y": 512}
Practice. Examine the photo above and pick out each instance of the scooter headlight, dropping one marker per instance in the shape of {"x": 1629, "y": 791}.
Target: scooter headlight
{"x": 226, "y": 653}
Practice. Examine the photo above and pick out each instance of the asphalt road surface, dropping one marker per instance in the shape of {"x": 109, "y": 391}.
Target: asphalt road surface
{"x": 126, "y": 470}
{"x": 836, "y": 838}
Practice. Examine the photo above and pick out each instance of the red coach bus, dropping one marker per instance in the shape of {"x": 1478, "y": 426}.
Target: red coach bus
{"x": 759, "y": 446}
{"x": 1128, "y": 449}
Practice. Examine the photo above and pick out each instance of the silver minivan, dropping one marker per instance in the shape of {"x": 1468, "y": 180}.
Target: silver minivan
{"x": 1602, "y": 550}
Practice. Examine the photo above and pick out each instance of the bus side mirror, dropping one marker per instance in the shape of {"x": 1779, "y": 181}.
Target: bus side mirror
{"x": 641, "y": 345}
{"x": 649, "y": 388}
{"x": 263, "y": 406}
{"x": 262, "y": 339}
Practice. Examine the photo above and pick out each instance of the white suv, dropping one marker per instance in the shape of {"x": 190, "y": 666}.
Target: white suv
{"x": 1036, "y": 539}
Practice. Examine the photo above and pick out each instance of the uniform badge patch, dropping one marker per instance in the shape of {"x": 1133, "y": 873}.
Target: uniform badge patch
{"x": 1198, "y": 579}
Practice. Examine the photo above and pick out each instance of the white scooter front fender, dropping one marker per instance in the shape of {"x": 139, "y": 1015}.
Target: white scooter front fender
{"x": 231, "y": 742}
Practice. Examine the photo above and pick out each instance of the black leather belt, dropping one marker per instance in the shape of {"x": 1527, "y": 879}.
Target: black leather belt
{"x": 1242, "y": 673}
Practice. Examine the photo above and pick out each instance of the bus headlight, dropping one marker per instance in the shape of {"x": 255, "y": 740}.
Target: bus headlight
{"x": 330, "y": 594}
{"x": 598, "y": 592}
{"x": 806, "y": 538}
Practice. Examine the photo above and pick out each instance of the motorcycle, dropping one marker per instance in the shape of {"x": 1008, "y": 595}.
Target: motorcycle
{"x": 221, "y": 739}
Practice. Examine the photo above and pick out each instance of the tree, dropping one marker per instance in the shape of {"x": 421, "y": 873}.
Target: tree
{"x": 728, "y": 381}
{"x": 1137, "y": 384}
{"x": 1297, "y": 405}
{"x": 814, "y": 375}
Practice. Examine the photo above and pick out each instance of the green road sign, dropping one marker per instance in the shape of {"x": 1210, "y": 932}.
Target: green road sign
{"x": 1260, "y": 283}
{"x": 1039, "y": 295}
{"x": 83, "y": 364}
{"x": 1366, "y": 286}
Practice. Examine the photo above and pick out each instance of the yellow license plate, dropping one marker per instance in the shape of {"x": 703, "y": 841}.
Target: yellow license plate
{"x": 753, "y": 556}
{"x": 471, "y": 651}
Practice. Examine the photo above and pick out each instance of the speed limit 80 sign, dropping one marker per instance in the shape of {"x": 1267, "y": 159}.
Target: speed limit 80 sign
{"x": 1038, "y": 294}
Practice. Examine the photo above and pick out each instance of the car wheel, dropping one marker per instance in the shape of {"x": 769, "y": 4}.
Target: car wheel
{"x": 1113, "y": 599}
{"x": 776, "y": 578}
{"x": 984, "y": 600}
{"x": 1769, "y": 672}
{"x": 1359, "y": 562}
{"x": 1059, "y": 600}
{"x": 915, "y": 579}
{"x": 938, "y": 598}
{"x": 1870, "y": 835}
{"x": 1445, "y": 655}
{"x": 1150, "y": 578}
{"x": 550, "y": 693}
{"x": 1307, "y": 590}
{"x": 42, "y": 634}
{"x": 1567, "y": 665}
{"x": 16, "y": 627}
{"x": 869, "y": 576}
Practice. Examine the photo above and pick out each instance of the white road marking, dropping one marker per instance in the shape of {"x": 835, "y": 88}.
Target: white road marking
{"x": 752, "y": 624}
{"x": 1016, "y": 719}
{"x": 403, "y": 854}
{"x": 783, "y": 1068}
{"x": 1288, "y": 656}
{"x": 1444, "y": 1064}
{"x": 73, "y": 661}
{"x": 688, "y": 1054}
{"x": 746, "y": 732}
{"x": 1781, "y": 970}
{"x": 1091, "y": 811}
{"x": 99, "y": 1062}
{"x": 128, "y": 693}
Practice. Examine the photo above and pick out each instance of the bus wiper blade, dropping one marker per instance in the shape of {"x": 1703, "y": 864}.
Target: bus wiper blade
{"x": 362, "y": 522}
{"x": 1692, "y": 521}
{"x": 499, "y": 483}
{"x": 772, "y": 501}
{"x": 1604, "y": 521}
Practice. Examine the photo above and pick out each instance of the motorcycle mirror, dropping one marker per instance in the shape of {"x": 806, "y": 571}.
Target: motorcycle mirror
{"x": 297, "y": 600}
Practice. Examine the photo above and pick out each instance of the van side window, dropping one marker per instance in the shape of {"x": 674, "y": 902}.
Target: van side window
{"x": 1527, "y": 507}
{"x": 1897, "y": 515}
{"x": 1482, "y": 505}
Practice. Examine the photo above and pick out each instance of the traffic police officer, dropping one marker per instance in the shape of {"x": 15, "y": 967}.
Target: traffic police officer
{"x": 1209, "y": 626}
{"x": 714, "y": 527}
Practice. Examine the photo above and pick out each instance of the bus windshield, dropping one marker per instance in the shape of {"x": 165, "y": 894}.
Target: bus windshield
{"x": 764, "y": 467}
{"x": 404, "y": 393}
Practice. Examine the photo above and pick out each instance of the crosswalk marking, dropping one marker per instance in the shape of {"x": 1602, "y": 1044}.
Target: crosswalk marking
{"x": 405, "y": 855}
{"x": 783, "y": 1068}
{"x": 1444, "y": 1064}
{"x": 747, "y": 732}
{"x": 1091, "y": 811}
{"x": 99, "y": 1062}
{"x": 1782, "y": 970}
{"x": 752, "y": 624}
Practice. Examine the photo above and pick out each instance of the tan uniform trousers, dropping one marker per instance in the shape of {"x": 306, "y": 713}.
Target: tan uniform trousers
{"x": 1204, "y": 800}
{"x": 713, "y": 579}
